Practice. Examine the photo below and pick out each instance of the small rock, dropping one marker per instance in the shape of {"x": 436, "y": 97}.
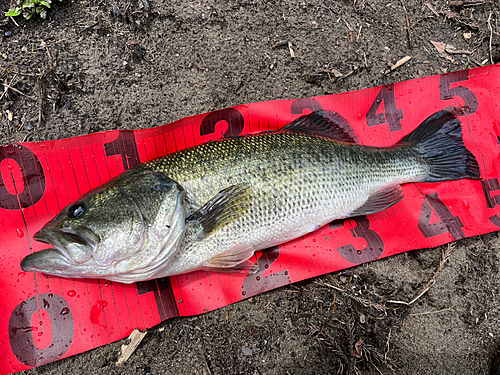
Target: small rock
{"x": 115, "y": 11}
{"x": 246, "y": 351}
{"x": 66, "y": 106}
{"x": 8, "y": 33}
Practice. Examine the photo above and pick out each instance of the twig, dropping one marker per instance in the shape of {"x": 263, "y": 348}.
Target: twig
{"x": 491, "y": 36}
{"x": 400, "y": 62}
{"x": 399, "y": 302}
{"x": 290, "y": 48}
{"x": 50, "y": 56}
{"x": 365, "y": 302}
{"x": 410, "y": 42}
{"x": 444, "y": 257}
{"x": 5, "y": 90}
{"x": 13, "y": 20}
{"x": 7, "y": 86}
{"x": 354, "y": 68}
{"x": 135, "y": 339}
{"x": 329, "y": 71}
{"x": 430, "y": 312}
{"x": 334, "y": 343}
{"x": 387, "y": 345}
{"x": 41, "y": 90}
{"x": 49, "y": 44}
{"x": 359, "y": 33}
{"x": 348, "y": 26}
{"x": 452, "y": 51}
{"x": 319, "y": 282}
{"x": 461, "y": 3}
{"x": 432, "y": 9}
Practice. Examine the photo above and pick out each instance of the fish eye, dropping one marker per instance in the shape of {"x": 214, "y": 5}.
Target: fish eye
{"x": 77, "y": 210}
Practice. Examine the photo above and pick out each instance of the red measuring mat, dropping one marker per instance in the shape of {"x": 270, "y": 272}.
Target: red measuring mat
{"x": 45, "y": 318}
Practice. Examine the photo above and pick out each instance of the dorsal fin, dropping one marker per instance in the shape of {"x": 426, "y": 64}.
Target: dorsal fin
{"x": 327, "y": 124}
{"x": 223, "y": 208}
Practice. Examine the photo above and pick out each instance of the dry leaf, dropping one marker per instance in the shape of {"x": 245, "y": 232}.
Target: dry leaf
{"x": 439, "y": 46}
{"x": 358, "y": 348}
{"x": 449, "y": 14}
{"x": 336, "y": 73}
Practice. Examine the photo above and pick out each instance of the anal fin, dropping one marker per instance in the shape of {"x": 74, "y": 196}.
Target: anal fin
{"x": 234, "y": 259}
{"x": 248, "y": 267}
{"x": 380, "y": 200}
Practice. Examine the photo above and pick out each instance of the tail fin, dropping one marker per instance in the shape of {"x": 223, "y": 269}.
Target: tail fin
{"x": 439, "y": 142}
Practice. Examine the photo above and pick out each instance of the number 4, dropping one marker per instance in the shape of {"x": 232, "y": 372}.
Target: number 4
{"x": 392, "y": 115}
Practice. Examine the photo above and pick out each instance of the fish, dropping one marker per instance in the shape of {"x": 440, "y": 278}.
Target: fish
{"x": 212, "y": 206}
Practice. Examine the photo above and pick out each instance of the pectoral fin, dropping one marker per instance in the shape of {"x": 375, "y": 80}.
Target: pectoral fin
{"x": 380, "y": 200}
{"x": 222, "y": 209}
{"x": 235, "y": 259}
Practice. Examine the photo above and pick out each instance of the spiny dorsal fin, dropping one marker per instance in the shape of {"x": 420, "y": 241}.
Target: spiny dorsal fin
{"x": 327, "y": 124}
{"x": 223, "y": 208}
{"x": 380, "y": 200}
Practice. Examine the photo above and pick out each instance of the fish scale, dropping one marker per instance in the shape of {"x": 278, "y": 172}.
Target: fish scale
{"x": 297, "y": 183}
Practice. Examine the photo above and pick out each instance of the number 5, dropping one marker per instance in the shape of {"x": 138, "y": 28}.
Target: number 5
{"x": 447, "y": 93}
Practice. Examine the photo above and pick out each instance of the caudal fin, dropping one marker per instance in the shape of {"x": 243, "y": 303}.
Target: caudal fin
{"x": 439, "y": 142}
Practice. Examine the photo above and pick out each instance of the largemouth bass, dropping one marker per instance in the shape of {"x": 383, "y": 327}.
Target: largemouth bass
{"x": 212, "y": 206}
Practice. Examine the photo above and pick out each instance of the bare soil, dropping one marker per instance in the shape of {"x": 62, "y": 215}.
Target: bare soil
{"x": 96, "y": 65}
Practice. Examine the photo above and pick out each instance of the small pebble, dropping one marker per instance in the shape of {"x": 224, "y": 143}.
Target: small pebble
{"x": 8, "y": 33}
{"x": 246, "y": 351}
{"x": 362, "y": 318}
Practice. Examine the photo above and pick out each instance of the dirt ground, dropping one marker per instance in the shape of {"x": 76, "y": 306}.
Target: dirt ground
{"x": 116, "y": 64}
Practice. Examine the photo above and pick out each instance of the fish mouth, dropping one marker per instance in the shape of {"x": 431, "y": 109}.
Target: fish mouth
{"x": 73, "y": 247}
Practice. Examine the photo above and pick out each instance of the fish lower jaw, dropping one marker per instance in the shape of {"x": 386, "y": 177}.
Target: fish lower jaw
{"x": 46, "y": 261}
